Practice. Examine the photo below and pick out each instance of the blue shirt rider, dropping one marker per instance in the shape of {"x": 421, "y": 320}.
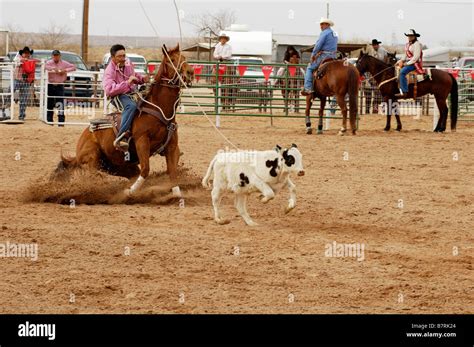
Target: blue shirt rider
{"x": 325, "y": 47}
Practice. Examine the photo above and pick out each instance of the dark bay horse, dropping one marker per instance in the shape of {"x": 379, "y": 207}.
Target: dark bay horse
{"x": 150, "y": 130}
{"x": 440, "y": 85}
{"x": 290, "y": 87}
{"x": 339, "y": 78}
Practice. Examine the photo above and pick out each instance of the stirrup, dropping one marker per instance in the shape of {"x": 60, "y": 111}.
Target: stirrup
{"x": 121, "y": 142}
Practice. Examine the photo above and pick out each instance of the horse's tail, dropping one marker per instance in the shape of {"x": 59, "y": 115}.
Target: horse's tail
{"x": 353, "y": 91}
{"x": 210, "y": 169}
{"x": 66, "y": 163}
{"x": 62, "y": 169}
{"x": 454, "y": 103}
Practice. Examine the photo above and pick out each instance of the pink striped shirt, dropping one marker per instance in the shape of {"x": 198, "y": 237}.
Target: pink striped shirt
{"x": 54, "y": 77}
{"x": 115, "y": 79}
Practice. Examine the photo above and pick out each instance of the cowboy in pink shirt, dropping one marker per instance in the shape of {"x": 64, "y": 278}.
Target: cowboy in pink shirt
{"x": 58, "y": 68}
{"x": 57, "y": 75}
{"x": 119, "y": 80}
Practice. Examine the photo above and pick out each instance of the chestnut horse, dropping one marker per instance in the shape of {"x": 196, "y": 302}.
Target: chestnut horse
{"x": 150, "y": 129}
{"x": 338, "y": 78}
{"x": 441, "y": 84}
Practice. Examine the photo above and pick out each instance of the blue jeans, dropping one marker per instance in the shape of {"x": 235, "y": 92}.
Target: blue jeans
{"x": 403, "y": 77}
{"x": 24, "y": 90}
{"x": 129, "y": 108}
{"x": 308, "y": 77}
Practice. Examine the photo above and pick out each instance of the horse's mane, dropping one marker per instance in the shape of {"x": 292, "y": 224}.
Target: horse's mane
{"x": 148, "y": 92}
{"x": 170, "y": 52}
{"x": 378, "y": 61}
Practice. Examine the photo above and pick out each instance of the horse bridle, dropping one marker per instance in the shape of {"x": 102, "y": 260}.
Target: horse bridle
{"x": 175, "y": 81}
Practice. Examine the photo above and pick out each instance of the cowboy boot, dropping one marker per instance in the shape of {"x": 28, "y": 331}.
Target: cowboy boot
{"x": 121, "y": 142}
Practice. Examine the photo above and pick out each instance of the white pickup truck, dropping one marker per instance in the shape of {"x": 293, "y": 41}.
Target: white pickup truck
{"x": 139, "y": 62}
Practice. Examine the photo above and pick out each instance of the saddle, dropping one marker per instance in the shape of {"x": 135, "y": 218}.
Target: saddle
{"x": 113, "y": 120}
{"x": 414, "y": 77}
{"x": 321, "y": 71}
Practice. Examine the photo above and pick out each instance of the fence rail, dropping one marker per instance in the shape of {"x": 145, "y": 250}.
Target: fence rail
{"x": 226, "y": 89}
{"x": 7, "y": 104}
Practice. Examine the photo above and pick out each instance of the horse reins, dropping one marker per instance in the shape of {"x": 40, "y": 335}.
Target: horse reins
{"x": 172, "y": 83}
{"x": 197, "y": 103}
{"x": 385, "y": 81}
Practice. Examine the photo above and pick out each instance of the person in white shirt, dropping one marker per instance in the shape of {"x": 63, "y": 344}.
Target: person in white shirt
{"x": 223, "y": 50}
{"x": 412, "y": 61}
{"x": 379, "y": 52}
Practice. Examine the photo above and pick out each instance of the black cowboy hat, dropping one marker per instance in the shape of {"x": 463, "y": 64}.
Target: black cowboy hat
{"x": 412, "y": 32}
{"x": 375, "y": 42}
{"x": 25, "y": 49}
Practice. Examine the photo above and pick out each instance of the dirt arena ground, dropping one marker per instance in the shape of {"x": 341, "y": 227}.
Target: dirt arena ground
{"x": 108, "y": 254}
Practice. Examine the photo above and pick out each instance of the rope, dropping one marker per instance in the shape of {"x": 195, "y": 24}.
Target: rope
{"x": 199, "y": 105}
{"x": 178, "y": 75}
{"x": 159, "y": 108}
{"x": 148, "y": 18}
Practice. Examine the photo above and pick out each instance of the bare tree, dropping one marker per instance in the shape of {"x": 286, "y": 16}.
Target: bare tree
{"x": 17, "y": 38}
{"x": 212, "y": 23}
{"x": 53, "y": 36}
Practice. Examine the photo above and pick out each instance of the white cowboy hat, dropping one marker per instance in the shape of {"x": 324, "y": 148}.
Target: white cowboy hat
{"x": 223, "y": 35}
{"x": 326, "y": 20}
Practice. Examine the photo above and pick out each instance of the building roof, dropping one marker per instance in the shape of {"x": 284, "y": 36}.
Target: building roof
{"x": 342, "y": 47}
{"x": 202, "y": 46}
{"x": 250, "y": 42}
{"x": 295, "y": 40}
{"x": 441, "y": 54}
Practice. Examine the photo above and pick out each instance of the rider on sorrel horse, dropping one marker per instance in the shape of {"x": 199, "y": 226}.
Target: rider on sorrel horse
{"x": 119, "y": 81}
{"x": 333, "y": 78}
{"x": 154, "y": 129}
{"x": 439, "y": 83}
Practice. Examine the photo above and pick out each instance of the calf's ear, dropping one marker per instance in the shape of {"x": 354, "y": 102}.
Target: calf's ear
{"x": 278, "y": 148}
{"x": 294, "y": 145}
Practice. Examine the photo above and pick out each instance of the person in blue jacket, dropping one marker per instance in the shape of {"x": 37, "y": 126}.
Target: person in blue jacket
{"x": 325, "y": 47}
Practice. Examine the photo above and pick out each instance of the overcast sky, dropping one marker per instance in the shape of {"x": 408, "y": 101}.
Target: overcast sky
{"x": 436, "y": 20}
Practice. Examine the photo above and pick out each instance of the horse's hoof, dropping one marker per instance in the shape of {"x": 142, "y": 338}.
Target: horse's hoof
{"x": 354, "y": 132}
{"x": 309, "y": 131}
{"x": 128, "y": 192}
{"x": 386, "y": 130}
{"x": 251, "y": 223}
{"x": 342, "y": 132}
{"x": 176, "y": 192}
{"x": 320, "y": 132}
{"x": 398, "y": 129}
{"x": 222, "y": 221}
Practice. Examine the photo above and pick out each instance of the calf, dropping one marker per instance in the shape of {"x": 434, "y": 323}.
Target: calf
{"x": 245, "y": 172}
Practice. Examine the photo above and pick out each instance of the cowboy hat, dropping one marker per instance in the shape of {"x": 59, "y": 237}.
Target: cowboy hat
{"x": 25, "y": 49}
{"x": 412, "y": 32}
{"x": 375, "y": 42}
{"x": 223, "y": 35}
{"x": 326, "y": 20}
